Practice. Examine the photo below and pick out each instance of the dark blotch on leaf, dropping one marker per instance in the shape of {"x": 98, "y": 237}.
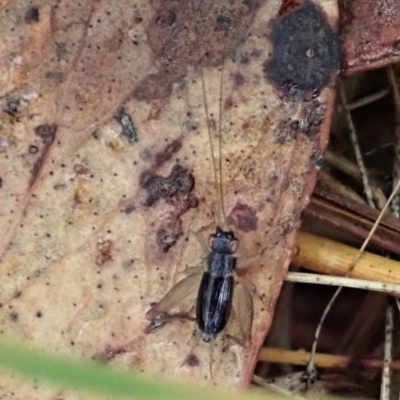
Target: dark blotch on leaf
{"x": 305, "y": 50}
{"x": 128, "y": 127}
{"x": 32, "y": 15}
{"x": 167, "y": 18}
{"x": 180, "y": 181}
{"x": 13, "y": 316}
{"x": 192, "y": 360}
{"x": 61, "y": 50}
{"x": 46, "y": 132}
{"x": 130, "y": 208}
{"x": 223, "y": 21}
{"x": 243, "y": 217}
{"x": 33, "y": 149}
{"x": 163, "y": 156}
{"x": 168, "y": 234}
{"x": 153, "y": 86}
{"x": 13, "y": 105}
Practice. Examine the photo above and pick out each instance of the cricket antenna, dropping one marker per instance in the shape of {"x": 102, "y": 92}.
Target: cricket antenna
{"x": 221, "y": 220}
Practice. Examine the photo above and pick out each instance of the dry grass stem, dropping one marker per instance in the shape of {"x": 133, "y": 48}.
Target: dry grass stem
{"x": 301, "y": 357}
{"x": 329, "y": 257}
{"x": 301, "y": 277}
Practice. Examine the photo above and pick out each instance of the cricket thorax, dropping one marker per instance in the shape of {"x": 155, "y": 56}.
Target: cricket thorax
{"x": 221, "y": 261}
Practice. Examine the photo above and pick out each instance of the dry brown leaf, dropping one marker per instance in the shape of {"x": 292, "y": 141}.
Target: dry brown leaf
{"x": 369, "y": 35}
{"x": 96, "y": 224}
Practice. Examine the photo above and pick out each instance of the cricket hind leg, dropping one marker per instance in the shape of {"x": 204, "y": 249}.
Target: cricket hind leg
{"x": 182, "y": 290}
{"x": 159, "y": 315}
{"x": 163, "y": 318}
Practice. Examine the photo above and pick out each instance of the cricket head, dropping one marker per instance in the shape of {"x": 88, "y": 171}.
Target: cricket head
{"x": 223, "y": 241}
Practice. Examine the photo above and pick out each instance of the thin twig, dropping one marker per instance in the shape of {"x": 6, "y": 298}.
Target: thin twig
{"x": 343, "y": 164}
{"x": 371, "y": 98}
{"x": 356, "y": 147}
{"x": 345, "y": 191}
{"x": 387, "y": 360}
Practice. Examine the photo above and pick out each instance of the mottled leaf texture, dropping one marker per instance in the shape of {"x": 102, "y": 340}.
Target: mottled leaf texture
{"x": 106, "y": 168}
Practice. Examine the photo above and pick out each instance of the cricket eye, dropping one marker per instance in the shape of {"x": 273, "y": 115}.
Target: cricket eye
{"x": 234, "y": 244}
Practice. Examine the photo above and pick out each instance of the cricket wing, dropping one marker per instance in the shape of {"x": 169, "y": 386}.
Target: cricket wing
{"x": 243, "y": 309}
{"x": 179, "y": 292}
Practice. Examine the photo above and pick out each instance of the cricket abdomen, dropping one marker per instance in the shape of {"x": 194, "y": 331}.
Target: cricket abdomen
{"x": 214, "y": 303}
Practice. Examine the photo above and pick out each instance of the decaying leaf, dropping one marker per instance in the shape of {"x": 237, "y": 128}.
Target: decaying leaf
{"x": 97, "y": 221}
{"x": 369, "y": 35}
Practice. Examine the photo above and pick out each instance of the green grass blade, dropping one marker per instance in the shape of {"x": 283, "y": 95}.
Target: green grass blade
{"x": 91, "y": 376}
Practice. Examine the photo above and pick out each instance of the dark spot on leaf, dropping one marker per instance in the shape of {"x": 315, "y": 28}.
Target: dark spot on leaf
{"x": 318, "y": 161}
{"x": 152, "y": 87}
{"x": 192, "y": 360}
{"x": 191, "y": 125}
{"x": 168, "y": 234}
{"x": 286, "y": 130}
{"x": 305, "y": 50}
{"x": 245, "y": 57}
{"x": 128, "y": 128}
{"x": 180, "y": 181}
{"x": 46, "y": 132}
{"x": 13, "y": 316}
{"x": 165, "y": 155}
{"x": 223, "y": 21}
{"x": 129, "y": 209}
{"x": 80, "y": 169}
{"x": 312, "y": 117}
{"x": 166, "y": 18}
{"x": 13, "y": 104}
{"x": 238, "y": 79}
{"x": 109, "y": 353}
{"x": 104, "y": 249}
{"x": 58, "y": 77}
{"x": 33, "y": 149}
{"x": 61, "y": 50}
{"x": 243, "y": 217}
{"x": 228, "y": 103}
{"x": 32, "y": 15}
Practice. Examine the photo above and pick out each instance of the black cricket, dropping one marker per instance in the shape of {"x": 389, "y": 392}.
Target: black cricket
{"x": 214, "y": 298}
{"x": 214, "y": 289}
